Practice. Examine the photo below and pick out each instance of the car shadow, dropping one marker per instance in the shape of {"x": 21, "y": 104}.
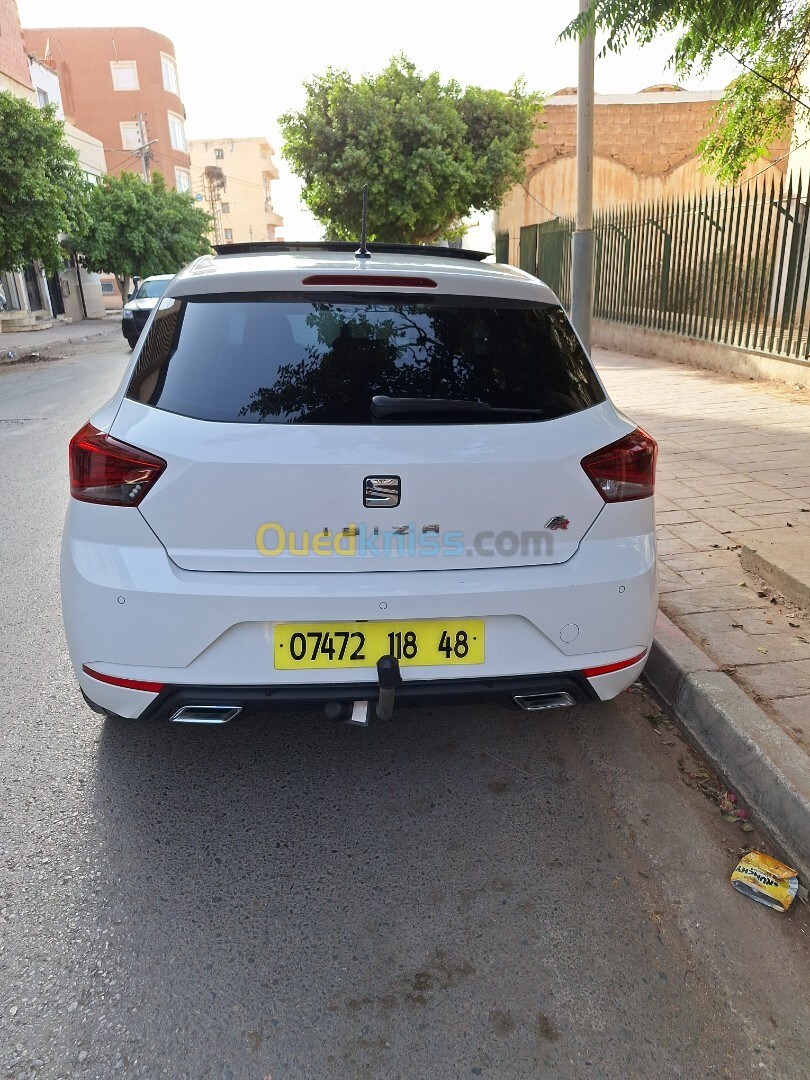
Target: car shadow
{"x": 316, "y": 882}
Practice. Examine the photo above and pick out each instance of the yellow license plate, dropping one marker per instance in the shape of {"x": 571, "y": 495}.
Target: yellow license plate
{"x": 423, "y": 643}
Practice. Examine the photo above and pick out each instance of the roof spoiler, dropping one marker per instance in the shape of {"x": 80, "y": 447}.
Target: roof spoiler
{"x": 283, "y": 247}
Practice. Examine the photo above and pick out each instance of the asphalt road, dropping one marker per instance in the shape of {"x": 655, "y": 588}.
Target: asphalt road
{"x": 456, "y": 893}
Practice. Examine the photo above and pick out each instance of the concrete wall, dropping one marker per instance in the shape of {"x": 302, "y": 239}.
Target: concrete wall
{"x": 640, "y": 341}
{"x": 480, "y": 235}
{"x": 246, "y": 205}
{"x": 91, "y": 151}
{"x": 111, "y": 298}
{"x": 71, "y": 297}
{"x": 46, "y": 79}
{"x": 799, "y": 160}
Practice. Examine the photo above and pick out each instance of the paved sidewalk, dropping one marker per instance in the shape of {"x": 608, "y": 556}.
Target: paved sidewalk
{"x": 733, "y": 479}
{"x": 734, "y": 465}
{"x": 47, "y": 341}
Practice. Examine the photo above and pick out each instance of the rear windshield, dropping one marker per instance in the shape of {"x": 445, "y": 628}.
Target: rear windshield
{"x": 284, "y": 359}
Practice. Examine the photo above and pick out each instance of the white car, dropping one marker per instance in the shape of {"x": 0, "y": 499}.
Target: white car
{"x": 140, "y": 306}
{"x": 357, "y": 483}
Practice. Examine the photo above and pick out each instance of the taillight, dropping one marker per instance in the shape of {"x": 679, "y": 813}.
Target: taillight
{"x": 625, "y": 470}
{"x": 104, "y": 470}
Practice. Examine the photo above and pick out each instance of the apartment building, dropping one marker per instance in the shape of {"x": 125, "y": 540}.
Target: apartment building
{"x": 231, "y": 179}
{"x": 30, "y": 300}
{"x": 14, "y": 74}
{"x": 121, "y": 85}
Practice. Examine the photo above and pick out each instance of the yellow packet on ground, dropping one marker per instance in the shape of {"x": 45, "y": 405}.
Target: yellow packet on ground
{"x": 765, "y": 880}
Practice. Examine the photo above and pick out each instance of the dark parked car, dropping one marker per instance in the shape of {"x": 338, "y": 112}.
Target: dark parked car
{"x": 140, "y": 305}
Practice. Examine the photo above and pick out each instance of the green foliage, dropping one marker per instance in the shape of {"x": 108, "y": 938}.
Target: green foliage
{"x": 769, "y": 38}
{"x": 141, "y": 229}
{"x": 751, "y": 116}
{"x": 43, "y": 191}
{"x": 429, "y": 152}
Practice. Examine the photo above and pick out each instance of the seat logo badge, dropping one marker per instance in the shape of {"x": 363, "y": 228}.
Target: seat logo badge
{"x": 381, "y": 490}
{"x": 558, "y": 522}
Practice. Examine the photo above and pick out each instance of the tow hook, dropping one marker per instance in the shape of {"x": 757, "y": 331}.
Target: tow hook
{"x": 360, "y": 712}
{"x": 389, "y": 679}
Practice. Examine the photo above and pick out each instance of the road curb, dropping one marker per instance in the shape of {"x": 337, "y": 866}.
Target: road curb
{"x": 781, "y": 561}
{"x": 748, "y": 749}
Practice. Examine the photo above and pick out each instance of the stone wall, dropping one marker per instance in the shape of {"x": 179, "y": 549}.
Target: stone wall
{"x": 645, "y": 148}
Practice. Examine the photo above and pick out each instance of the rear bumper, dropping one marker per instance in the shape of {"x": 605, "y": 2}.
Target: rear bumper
{"x": 263, "y": 699}
{"x": 131, "y": 613}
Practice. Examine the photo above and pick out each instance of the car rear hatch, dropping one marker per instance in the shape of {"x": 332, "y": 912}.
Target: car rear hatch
{"x": 352, "y": 433}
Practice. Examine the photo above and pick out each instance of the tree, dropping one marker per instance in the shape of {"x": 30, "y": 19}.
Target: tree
{"x": 141, "y": 229}
{"x": 429, "y": 152}
{"x": 43, "y": 191}
{"x": 770, "y": 39}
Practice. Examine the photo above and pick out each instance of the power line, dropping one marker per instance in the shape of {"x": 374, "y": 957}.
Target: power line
{"x": 759, "y": 75}
{"x": 232, "y": 179}
{"x": 121, "y": 164}
{"x": 771, "y": 164}
{"x": 547, "y": 209}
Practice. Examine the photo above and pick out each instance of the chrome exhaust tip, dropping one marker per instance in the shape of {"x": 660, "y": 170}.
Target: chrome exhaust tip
{"x": 205, "y": 714}
{"x": 535, "y": 702}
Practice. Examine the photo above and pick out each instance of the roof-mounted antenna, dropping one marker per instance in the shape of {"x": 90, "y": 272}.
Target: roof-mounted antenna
{"x": 363, "y": 252}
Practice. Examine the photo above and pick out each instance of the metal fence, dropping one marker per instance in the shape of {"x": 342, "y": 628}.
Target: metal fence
{"x": 731, "y": 266}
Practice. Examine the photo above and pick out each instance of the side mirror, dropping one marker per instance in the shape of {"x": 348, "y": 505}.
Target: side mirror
{"x": 130, "y": 297}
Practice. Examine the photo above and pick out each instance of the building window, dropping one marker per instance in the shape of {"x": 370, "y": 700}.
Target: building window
{"x": 107, "y": 287}
{"x": 225, "y": 208}
{"x": 169, "y": 69}
{"x": 182, "y": 179}
{"x": 124, "y": 75}
{"x": 177, "y": 132}
{"x": 219, "y": 154}
{"x": 130, "y": 135}
{"x": 229, "y": 234}
{"x": 43, "y": 97}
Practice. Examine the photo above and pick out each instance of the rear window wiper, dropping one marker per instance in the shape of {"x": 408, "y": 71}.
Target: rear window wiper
{"x": 383, "y": 407}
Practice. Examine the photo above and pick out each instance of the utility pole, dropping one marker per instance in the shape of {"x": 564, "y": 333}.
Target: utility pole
{"x": 214, "y": 184}
{"x": 143, "y": 151}
{"x": 582, "y": 240}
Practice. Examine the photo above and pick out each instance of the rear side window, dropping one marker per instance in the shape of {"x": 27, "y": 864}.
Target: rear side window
{"x": 320, "y": 359}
